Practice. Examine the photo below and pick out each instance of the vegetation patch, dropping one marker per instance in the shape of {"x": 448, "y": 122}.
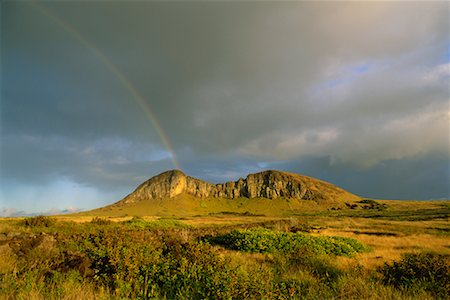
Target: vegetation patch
{"x": 376, "y": 233}
{"x": 140, "y": 223}
{"x": 426, "y": 214}
{"x": 38, "y": 221}
{"x": 441, "y": 230}
{"x": 423, "y": 271}
{"x": 165, "y": 259}
{"x": 232, "y": 213}
{"x": 100, "y": 221}
{"x": 266, "y": 241}
{"x": 372, "y": 204}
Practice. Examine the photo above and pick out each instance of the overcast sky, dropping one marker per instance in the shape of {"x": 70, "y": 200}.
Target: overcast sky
{"x": 97, "y": 97}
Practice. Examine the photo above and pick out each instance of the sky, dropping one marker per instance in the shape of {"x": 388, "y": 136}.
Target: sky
{"x": 97, "y": 97}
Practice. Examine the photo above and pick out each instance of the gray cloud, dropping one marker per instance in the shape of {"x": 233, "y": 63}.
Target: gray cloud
{"x": 12, "y": 212}
{"x": 237, "y": 87}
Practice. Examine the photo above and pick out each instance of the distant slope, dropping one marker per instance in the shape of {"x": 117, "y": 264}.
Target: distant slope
{"x": 172, "y": 193}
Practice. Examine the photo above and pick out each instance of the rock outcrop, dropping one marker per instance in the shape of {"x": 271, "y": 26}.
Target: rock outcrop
{"x": 268, "y": 184}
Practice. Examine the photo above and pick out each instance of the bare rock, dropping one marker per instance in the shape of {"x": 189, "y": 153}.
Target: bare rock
{"x": 268, "y": 184}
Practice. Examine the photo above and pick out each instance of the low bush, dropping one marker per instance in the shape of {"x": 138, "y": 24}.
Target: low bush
{"x": 372, "y": 204}
{"x": 139, "y": 223}
{"x": 266, "y": 241}
{"x": 100, "y": 221}
{"x": 305, "y": 262}
{"x": 422, "y": 271}
{"x": 38, "y": 221}
{"x": 141, "y": 265}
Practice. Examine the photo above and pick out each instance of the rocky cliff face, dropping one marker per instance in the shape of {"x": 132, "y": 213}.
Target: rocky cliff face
{"x": 267, "y": 184}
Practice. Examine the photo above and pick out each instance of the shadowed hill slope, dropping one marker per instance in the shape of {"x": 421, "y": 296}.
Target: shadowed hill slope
{"x": 269, "y": 192}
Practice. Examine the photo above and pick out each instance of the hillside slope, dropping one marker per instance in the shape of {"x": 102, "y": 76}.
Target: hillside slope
{"x": 173, "y": 193}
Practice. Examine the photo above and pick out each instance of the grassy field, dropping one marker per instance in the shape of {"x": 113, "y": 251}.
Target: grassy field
{"x": 374, "y": 250}
{"x": 188, "y": 206}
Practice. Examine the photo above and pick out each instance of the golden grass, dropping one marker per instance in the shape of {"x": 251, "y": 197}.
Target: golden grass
{"x": 388, "y": 239}
{"x": 390, "y": 248}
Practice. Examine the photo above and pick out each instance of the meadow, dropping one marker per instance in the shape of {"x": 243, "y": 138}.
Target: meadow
{"x": 379, "y": 250}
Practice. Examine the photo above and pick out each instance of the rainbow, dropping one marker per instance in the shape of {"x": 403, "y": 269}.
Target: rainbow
{"x": 122, "y": 79}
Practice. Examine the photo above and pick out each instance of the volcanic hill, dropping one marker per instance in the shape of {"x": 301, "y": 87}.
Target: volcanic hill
{"x": 270, "y": 193}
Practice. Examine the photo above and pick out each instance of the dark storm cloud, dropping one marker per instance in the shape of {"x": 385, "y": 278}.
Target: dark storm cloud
{"x": 410, "y": 178}
{"x": 101, "y": 164}
{"x": 236, "y": 86}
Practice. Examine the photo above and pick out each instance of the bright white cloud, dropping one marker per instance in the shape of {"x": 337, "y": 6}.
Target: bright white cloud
{"x": 439, "y": 74}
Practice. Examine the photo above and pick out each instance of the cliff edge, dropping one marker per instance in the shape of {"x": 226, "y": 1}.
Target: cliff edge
{"x": 268, "y": 184}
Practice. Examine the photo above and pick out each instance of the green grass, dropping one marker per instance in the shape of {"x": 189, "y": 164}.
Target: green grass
{"x": 187, "y": 205}
{"x": 267, "y": 241}
{"x": 139, "y": 223}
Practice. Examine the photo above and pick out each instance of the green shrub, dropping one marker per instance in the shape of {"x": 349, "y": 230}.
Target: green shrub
{"x": 423, "y": 271}
{"x": 372, "y": 204}
{"x": 266, "y": 241}
{"x": 100, "y": 221}
{"x": 136, "y": 223}
{"x": 306, "y": 263}
{"x": 38, "y": 221}
{"x": 167, "y": 223}
{"x": 139, "y": 223}
{"x": 368, "y": 201}
{"x": 140, "y": 265}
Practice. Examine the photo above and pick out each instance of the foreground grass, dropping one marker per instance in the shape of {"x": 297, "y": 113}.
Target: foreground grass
{"x": 145, "y": 258}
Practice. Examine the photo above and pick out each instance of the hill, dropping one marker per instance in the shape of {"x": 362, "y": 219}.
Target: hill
{"x": 173, "y": 193}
